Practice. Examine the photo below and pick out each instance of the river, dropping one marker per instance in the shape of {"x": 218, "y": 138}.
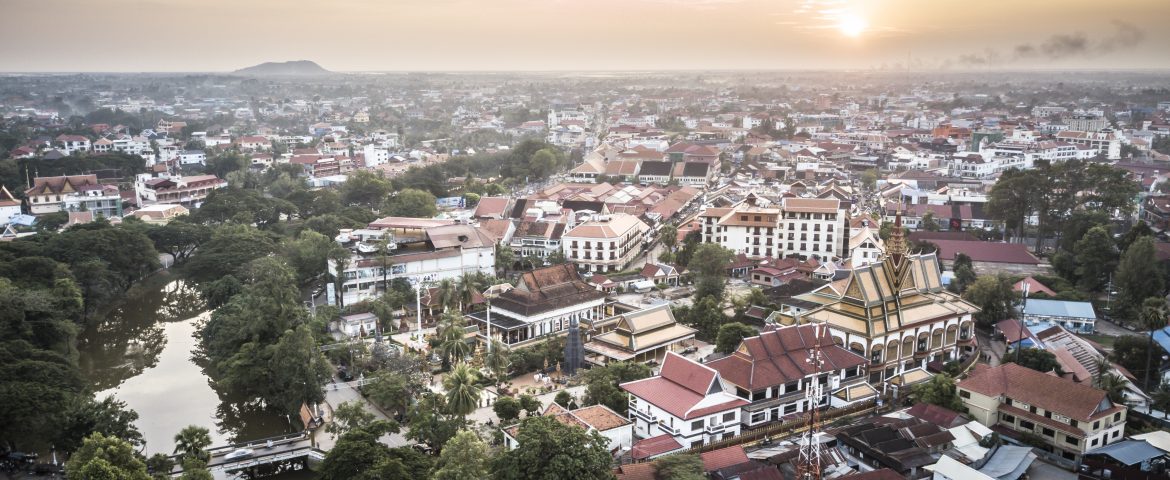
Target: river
{"x": 142, "y": 354}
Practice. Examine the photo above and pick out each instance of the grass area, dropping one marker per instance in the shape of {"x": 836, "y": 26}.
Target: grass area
{"x": 1104, "y": 340}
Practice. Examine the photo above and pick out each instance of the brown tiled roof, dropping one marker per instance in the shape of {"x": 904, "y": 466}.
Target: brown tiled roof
{"x": 649, "y": 447}
{"x": 680, "y": 387}
{"x": 546, "y": 289}
{"x": 1063, "y": 396}
{"x": 492, "y": 207}
{"x": 723, "y": 458}
{"x": 637, "y": 471}
{"x": 55, "y": 185}
{"x": 992, "y": 252}
{"x": 600, "y": 417}
{"x": 780, "y": 356}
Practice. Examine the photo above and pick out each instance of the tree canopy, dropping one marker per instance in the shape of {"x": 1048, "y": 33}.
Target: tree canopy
{"x": 549, "y": 449}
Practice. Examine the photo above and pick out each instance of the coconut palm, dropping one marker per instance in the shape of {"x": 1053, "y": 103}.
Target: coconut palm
{"x": 466, "y": 289}
{"x": 497, "y": 361}
{"x": 1113, "y": 385}
{"x": 452, "y": 338}
{"x": 192, "y": 441}
{"x": 1152, "y": 318}
{"x": 462, "y": 393}
{"x": 1160, "y": 400}
{"x": 446, "y": 294}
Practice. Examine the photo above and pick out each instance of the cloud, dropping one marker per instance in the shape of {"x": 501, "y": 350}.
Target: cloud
{"x": 1061, "y": 46}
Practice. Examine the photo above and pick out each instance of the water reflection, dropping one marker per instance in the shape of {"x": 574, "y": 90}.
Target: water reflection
{"x": 142, "y": 354}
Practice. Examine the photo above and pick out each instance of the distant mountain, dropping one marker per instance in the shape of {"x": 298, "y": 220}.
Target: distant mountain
{"x": 293, "y": 68}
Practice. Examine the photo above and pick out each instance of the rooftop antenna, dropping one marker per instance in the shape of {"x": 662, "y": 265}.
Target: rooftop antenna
{"x": 808, "y": 463}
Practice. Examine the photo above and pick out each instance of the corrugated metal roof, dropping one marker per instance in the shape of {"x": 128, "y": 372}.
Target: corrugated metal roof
{"x": 1059, "y": 308}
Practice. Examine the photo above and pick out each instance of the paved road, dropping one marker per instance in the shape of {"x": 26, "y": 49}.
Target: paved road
{"x": 336, "y": 394}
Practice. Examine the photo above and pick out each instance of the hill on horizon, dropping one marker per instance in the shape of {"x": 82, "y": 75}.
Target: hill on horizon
{"x": 291, "y": 68}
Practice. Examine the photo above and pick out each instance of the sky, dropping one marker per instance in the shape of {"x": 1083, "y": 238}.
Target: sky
{"x": 574, "y": 35}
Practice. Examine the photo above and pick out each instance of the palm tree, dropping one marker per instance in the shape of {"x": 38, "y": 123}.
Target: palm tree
{"x": 192, "y": 441}
{"x": 446, "y": 294}
{"x": 466, "y": 289}
{"x": 1152, "y": 318}
{"x": 452, "y": 339}
{"x": 462, "y": 393}
{"x": 1160, "y": 400}
{"x": 1113, "y": 385}
{"x": 497, "y": 361}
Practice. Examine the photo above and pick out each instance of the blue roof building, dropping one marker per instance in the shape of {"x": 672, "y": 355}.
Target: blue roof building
{"x": 1078, "y": 317}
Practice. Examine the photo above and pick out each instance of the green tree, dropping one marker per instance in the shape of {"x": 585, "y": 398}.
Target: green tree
{"x": 1152, "y": 318}
{"x": 411, "y": 203}
{"x": 549, "y": 449}
{"x": 109, "y": 417}
{"x": 359, "y": 454}
{"x": 392, "y": 391}
{"x": 507, "y": 409}
{"x": 994, "y": 295}
{"x": 195, "y": 469}
{"x": 1138, "y": 230}
{"x": 349, "y": 416}
{"x": 669, "y": 235}
{"x": 939, "y": 390}
{"x": 564, "y": 399}
{"x": 869, "y": 179}
{"x": 730, "y": 334}
{"x": 179, "y": 238}
{"x": 497, "y": 361}
{"x": 964, "y": 273}
{"x": 530, "y": 404}
{"x": 465, "y": 457}
{"x": 228, "y": 252}
{"x": 1037, "y": 359}
{"x": 1096, "y": 258}
{"x": 1160, "y": 399}
{"x": 462, "y": 393}
{"x": 602, "y": 384}
{"x": 102, "y": 457}
{"x": 160, "y": 466}
{"x": 309, "y": 254}
{"x": 1113, "y": 385}
{"x": 709, "y": 264}
{"x": 1137, "y": 279}
{"x": 707, "y": 316}
{"x": 929, "y": 223}
{"x": 365, "y": 188}
{"x": 685, "y": 466}
{"x": 429, "y": 423}
{"x": 192, "y": 442}
{"x": 297, "y": 371}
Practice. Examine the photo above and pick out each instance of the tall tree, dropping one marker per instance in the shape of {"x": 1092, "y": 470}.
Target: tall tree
{"x": 1137, "y": 279}
{"x": 349, "y": 416}
{"x": 102, "y": 457}
{"x": 601, "y": 384}
{"x": 994, "y": 296}
{"x": 359, "y": 455}
{"x": 1096, "y": 257}
{"x": 462, "y": 393}
{"x": 549, "y": 449}
{"x": 731, "y": 334}
{"x": 1037, "y": 359}
{"x": 709, "y": 264}
{"x": 411, "y": 203}
{"x": 685, "y": 466}
{"x": 108, "y": 416}
{"x": 1152, "y": 318}
{"x": 465, "y": 457}
{"x": 192, "y": 441}
{"x": 365, "y": 188}
{"x": 429, "y": 423}
{"x": 939, "y": 390}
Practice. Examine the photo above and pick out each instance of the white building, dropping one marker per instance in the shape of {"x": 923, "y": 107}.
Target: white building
{"x": 1105, "y": 142}
{"x": 546, "y": 301}
{"x": 447, "y": 253}
{"x": 595, "y": 418}
{"x": 865, "y": 245}
{"x": 607, "y": 243}
{"x": 804, "y": 227}
{"x": 191, "y": 157}
{"x": 687, "y": 400}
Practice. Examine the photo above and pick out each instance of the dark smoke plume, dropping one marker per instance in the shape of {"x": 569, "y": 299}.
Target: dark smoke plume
{"x": 1061, "y": 46}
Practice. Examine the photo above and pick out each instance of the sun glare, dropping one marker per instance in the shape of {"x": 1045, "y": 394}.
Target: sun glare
{"x": 852, "y": 25}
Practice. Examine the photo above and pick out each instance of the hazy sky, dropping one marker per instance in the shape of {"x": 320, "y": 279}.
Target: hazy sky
{"x": 354, "y": 35}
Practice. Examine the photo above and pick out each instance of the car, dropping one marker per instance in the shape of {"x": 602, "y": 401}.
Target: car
{"x": 240, "y": 453}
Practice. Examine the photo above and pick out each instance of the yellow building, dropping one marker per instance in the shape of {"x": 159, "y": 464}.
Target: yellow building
{"x": 896, "y": 313}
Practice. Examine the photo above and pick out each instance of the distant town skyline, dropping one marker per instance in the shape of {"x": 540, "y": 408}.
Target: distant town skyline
{"x": 552, "y": 35}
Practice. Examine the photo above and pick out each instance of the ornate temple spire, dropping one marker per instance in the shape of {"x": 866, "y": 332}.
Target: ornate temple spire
{"x": 896, "y": 247}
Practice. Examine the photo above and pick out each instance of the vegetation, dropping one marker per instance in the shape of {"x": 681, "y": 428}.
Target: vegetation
{"x": 465, "y": 457}
{"x": 939, "y": 390}
{"x": 102, "y": 457}
{"x": 994, "y": 296}
{"x": 550, "y": 449}
{"x": 1037, "y": 359}
{"x": 686, "y": 466}
{"x": 601, "y": 384}
{"x": 1137, "y": 278}
{"x": 731, "y": 334}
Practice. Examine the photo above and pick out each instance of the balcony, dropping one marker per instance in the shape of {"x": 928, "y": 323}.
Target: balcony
{"x": 921, "y": 354}
{"x": 715, "y": 428}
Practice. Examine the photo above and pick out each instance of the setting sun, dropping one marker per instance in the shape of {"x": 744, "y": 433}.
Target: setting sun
{"x": 852, "y": 25}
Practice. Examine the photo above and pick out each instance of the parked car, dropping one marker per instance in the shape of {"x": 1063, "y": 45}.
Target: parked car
{"x": 240, "y": 453}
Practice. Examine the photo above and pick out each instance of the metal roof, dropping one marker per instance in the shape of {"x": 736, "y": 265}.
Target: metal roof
{"x": 1129, "y": 452}
{"x": 1059, "y": 308}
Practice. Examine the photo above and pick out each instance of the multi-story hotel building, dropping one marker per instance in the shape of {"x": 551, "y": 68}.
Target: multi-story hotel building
{"x": 606, "y": 243}
{"x": 74, "y": 193}
{"x": 804, "y": 227}
{"x": 1071, "y": 418}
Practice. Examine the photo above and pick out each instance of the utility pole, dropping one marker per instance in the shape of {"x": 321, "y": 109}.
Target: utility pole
{"x": 1023, "y": 312}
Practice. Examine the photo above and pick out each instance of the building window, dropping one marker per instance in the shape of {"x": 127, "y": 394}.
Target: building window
{"x": 1096, "y": 424}
{"x": 1048, "y": 432}
{"x": 1008, "y": 418}
{"x": 964, "y": 394}
{"x": 1068, "y": 455}
{"x": 729, "y": 417}
{"x": 1117, "y": 416}
{"x": 696, "y": 425}
{"x": 1026, "y": 425}
{"x": 1072, "y": 441}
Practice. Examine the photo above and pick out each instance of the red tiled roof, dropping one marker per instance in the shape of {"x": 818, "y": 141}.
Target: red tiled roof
{"x": 680, "y": 387}
{"x": 637, "y": 471}
{"x": 992, "y": 252}
{"x": 780, "y": 356}
{"x": 649, "y": 447}
{"x": 1060, "y": 395}
{"x": 723, "y": 458}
